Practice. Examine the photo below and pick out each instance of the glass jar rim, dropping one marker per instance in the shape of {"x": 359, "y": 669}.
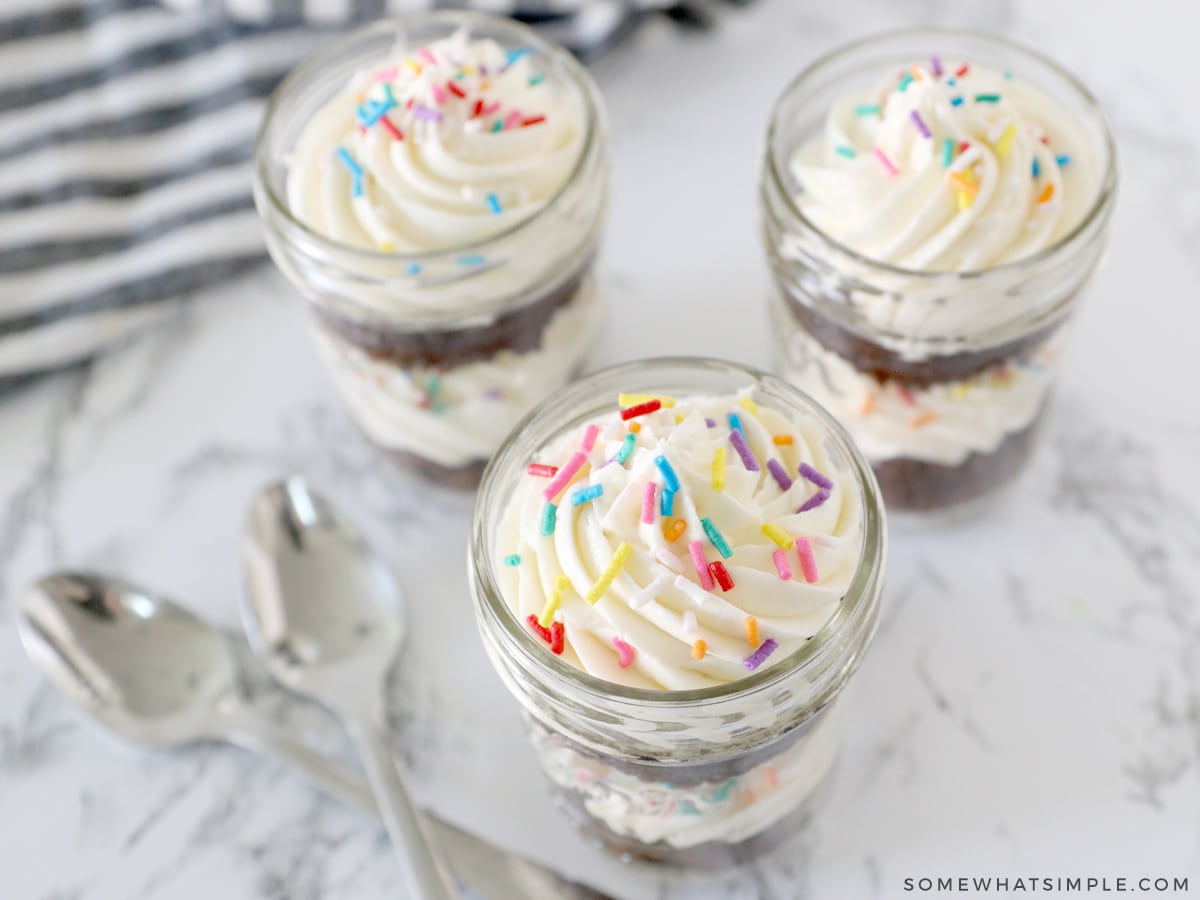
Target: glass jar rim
{"x": 864, "y": 587}
{"x": 1099, "y": 206}
{"x": 452, "y": 19}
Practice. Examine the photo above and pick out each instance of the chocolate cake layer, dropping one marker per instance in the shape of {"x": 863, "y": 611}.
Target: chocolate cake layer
{"x": 519, "y": 330}
{"x": 887, "y": 365}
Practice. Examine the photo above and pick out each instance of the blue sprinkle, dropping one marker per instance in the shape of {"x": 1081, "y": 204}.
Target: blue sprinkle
{"x": 471, "y": 260}
{"x": 413, "y": 269}
{"x": 549, "y": 516}
{"x": 687, "y": 808}
{"x": 1062, "y": 160}
{"x": 1037, "y": 169}
{"x": 724, "y": 790}
{"x": 514, "y": 55}
{"x": 956, "y": 101}
{"x": 583, "y": 495}
{"x": 512, "y": 560}
{"x": 666, "y": 503}
{"x": 356, "y": 171}
{"x": 735, "y": 422}
{"x": 670, "y": 479}
{"x": 494, "y": 204}
{"x": 952, "y": 81}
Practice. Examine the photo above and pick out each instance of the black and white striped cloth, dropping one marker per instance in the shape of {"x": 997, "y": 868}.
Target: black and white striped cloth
{"x": 126, "y": 133}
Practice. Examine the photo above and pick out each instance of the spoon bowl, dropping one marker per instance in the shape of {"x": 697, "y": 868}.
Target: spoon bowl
{"x": 138, "y": 663}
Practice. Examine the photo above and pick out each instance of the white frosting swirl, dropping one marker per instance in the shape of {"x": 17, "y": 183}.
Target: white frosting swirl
{"x": 942, "y": 423}
{"x": 653, "y": 611}
{"x": 458, "y": 416}
{"x": 456, "y": 142}
{"x": 880, "y": 181}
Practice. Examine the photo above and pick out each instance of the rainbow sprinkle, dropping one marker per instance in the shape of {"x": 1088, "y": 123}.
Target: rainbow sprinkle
{"x": 808, "y": 473}
{"x": 587, "y": 494}
{"x": 962, "y": 185}
{"x": 472, "y": 260}
{"x": 614, "y": 567}
{"x": 759, "y": 656}
{"x": 735, "y": 422}
{"x": 920, "y": 124}
{"x": 935, "y": 64}
{"x": 512, "y": 559}
{"x": 1046, "y": 194}
{"x": 905, "y": 81}
{"x": 641, "y": 409}
{"x": 718, "y": 470}
{"x": 817, "y": 499}
{"x": 782, "y": 440}
{"x": 699, "y": 648}
{"x": 781, "y": 565}
{"x": 947, "y": 152}
{"x": 635, "y": 399}
{"x": 701, "y": 564}
{"x": 748, "y": 404}
{"x": 356, "y": 172}
{"x": 777, "y": 536}
{"x": 1004, "y": 145}
{"x": 666, "y": 502}
{"x": 847, "y": 152}
{"x": 743, "y": 450}
{"x": 542, "y": 471}
{"x": 1062, "y": 160}
{"x": 718, "y": 539}
{"x": 1037, "y": 169}
{"x": 779, "y": 474}
{"x": 670, "y": 479}
{"x": 589, "y": 438}
{"x": 648, "y": 503}
{"x": 549, "y": 517}
{"x": 808, "y": 563}
{"x": 625, "y": 651}
{"x": 752, "y": 631}
{"x": 720, "y": 574}
{"x": 987, "y": 98}
{"x": 493, "y": 203}
{"x": 626, "y": 449}
{"x": 867, "y": 109}
{"x": 674, "y": 530}
{"x": 565, "y": 474}
{"x": 888, "y": 165}
{"x": 956, "y": 101}
{"x": 554, "y": 601}
{"x": 413, "y": 269}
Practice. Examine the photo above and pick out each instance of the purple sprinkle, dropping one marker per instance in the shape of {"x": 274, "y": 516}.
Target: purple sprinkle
{"x": 483, "y": 70}
{"x": 743, "y": 450}
{"x": 781, "y": 475}
{"x": 759, "y": 656}
{"x": 711, "y": 423}
{"x": 821, "y": 481}
{"x": 936, "y": 65}
{"x": 920, "y": 123}
{"x": 494, "y": 394}
{"x": 429, "y": 115}
{"x": 815, "y": 500}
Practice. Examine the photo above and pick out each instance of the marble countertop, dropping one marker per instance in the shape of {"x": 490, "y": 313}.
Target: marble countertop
{"x": 1031, "y": 705}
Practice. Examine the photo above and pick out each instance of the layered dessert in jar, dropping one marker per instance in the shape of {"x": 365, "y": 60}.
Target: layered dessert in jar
{"x": 436, "y": 186}
{"x": 933, "y": 205}
{"x": 677, "y": 565}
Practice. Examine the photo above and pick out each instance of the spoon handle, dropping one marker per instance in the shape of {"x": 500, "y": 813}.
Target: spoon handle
{"x": 428, "y": 877}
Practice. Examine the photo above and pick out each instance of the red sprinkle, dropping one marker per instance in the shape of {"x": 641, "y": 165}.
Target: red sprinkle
{"x": 390, "y": 127}
{"x": 478, "y": 111}
{"x": 963, "y": 71}
{"x": 543, "y": 633}
{"x": 717, "y": 569}
{"x": 542, "y": 471}
{"x": 533, "y": 120}
{"x": 906, "y": 395}
{"x": 557, "y": 636}
{"x": 642, "y": 409}
{"x": 962, "y": 148}
{"x": 455, "y": 89}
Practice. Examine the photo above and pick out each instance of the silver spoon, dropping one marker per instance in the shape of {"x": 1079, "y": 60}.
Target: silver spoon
{"x": 326, "y": 617}
{"x": 152, "y": 673}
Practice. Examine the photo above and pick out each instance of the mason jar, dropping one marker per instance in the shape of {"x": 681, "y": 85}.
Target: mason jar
{"x": 704, "y": 777}
{"x": 436, "y": 353}
{"x": 941, "y": 376}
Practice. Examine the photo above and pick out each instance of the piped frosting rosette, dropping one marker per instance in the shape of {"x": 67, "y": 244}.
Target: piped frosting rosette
{"x": 681, "y": 543}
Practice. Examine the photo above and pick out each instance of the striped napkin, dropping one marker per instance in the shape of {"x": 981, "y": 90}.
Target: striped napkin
{"x": 126, "y": 134}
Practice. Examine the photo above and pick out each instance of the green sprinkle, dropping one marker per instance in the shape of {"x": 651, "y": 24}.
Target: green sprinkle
{"x": 1007, "y": 75}
{"x": 847, "y": 152}
{"x": 947, "y": 153}
{"x": 549, "y": 516}
{"x": 867, "y": 109}
{"x": 535, "y": 80}
{"x": 512, "y": 560}
{"x": 987, "y": 98}
{"x": 498, "y": 126}
{"x": 904, "y": 82}
{"x": 626, "y": 450}
{"x": 718, "y": 539}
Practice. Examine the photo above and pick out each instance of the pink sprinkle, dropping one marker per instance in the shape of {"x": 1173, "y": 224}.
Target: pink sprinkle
{"x": 565, "y": 474}
{"x": 439, "y": 94}
{"x": 936, "y": 64}
{"x": 625, "y": 650}
{"x": 490, "y": 108}
{"x": 589, "y": 438}
{"x": 425, "y": 56}
{"x": 514, "y": 119}
{"x": 701, "y": 564}
{"x": 808, "y": 564}
{"x": 781, "y": 565}
{"x": 386, "y": 74}
{"x": 888, "y": 165}
{"x": 648, "y": 503}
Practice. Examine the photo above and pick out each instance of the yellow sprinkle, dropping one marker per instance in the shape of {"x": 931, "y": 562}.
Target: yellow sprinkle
{"x": 752, "y": 631}
{"x": 678, "y": 418}
{"x": 1046, "y": 194}
{"x": 782, "y": 440}
{"x": 635, "y": 399}
{"x": 748, "y": 404}
{"x": 387, "y": 246}
{"x": 553, "y": 601}
{"x": 964, "y": 201}
{"x": 922, "y": 420}
{"x": 615, "y": 565}
{"x": 868, "y": 404}
{"x": 963, "y": 183}
{"x": 776, "y": 534}
{"x": 1005, "y": 143}
{"x": 699, "y": 649}
{"x": 718, "y": 470}
{"x": 413, "y": 66}
{"x": 468, "y": 70}
{"x": 484, "y": 85}
{"x": 635, "y": 427}
{"x": 673, "y": 528}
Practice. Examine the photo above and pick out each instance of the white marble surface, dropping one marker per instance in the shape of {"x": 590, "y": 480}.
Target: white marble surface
{"x": 1031, "y": 705}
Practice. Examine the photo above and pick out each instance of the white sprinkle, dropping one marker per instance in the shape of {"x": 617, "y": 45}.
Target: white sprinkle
{"x": 689, "y": 623}
{"x": 649, "y": 592}
{"x": 697, "y": 593}
{"x": 670, "y": 560}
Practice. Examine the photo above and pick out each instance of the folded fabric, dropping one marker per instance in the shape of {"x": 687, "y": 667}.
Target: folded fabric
{"x": 126, "y": 136}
